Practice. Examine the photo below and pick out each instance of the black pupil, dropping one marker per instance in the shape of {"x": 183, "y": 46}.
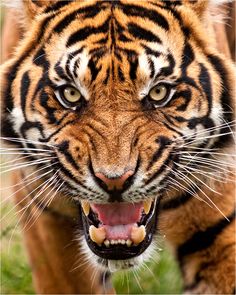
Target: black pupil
{"x": 72, "y": 92}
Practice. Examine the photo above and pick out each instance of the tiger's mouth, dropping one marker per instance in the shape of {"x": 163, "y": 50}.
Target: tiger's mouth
{"x": 118, "y": 231}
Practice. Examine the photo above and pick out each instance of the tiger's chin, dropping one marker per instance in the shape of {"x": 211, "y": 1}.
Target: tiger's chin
{"x": 118, "y": 236}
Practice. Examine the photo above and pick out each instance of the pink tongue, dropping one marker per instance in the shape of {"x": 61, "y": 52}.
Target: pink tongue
{"x": 118, "y": 218}
{"x": 118, "y": 213}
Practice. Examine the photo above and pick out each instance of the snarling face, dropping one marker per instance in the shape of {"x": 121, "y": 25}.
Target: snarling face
{"x": 121, "y": 93}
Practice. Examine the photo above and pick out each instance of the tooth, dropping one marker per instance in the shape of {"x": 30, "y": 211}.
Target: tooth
{"x": 107, "y": 243}
{"x": 123, "y": 242}
{"x": 147, "y": 206}
{"x": 128, "y": 242}
{"x": 97, "y": 235}
{"x": 138, "y": 234}
{"x": 112, "y": 242}
{"x": 86, "y": 207}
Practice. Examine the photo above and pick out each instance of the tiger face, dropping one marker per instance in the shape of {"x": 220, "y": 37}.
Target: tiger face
{"x": 119, "y": 92}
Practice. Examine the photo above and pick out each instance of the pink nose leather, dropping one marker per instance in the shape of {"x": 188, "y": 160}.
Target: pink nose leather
{"x": 114, "y": 183}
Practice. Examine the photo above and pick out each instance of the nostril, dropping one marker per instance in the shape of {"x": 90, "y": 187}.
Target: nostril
{"x": 114, "y": 184}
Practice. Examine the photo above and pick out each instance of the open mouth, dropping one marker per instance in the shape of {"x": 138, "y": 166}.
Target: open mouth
{"x": 119, "y": 231}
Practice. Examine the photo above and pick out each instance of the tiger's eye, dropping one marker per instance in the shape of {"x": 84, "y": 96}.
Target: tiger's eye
{"x": 71, "y": 94}
{"x": 158, "y": 92}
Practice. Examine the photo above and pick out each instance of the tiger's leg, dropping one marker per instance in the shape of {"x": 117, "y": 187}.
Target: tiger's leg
{"x": 203, "y": 239}
{"x": 58, "y": 267}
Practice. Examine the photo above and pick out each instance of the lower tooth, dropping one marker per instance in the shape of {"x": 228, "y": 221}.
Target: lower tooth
{"x": 107, "y": 243}
{"x": 128, "y": 242}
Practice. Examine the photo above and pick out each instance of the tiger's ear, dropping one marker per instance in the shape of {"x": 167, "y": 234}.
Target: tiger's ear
{"x": 201, "y": 6}
{"x": 28, "y": 8}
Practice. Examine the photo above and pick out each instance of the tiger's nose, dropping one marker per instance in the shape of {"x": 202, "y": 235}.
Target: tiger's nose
{"x": 115, "y": 183}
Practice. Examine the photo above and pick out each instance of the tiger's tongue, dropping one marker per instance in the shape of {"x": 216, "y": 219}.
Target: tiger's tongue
{"x": 118, "y": 219}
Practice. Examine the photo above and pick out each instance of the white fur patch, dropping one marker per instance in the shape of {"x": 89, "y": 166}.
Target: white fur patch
{"x": 219, "y": 2}
{"x": 17, "y": 4}
{"x": 118, "y": 265}
{"x": 17, "y": 118}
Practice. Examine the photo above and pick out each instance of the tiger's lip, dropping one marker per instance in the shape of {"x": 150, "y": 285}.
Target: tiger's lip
{"x": 120, "y": 241}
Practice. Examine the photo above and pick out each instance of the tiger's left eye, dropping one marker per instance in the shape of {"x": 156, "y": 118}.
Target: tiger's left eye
{"x": 71, "y": 94}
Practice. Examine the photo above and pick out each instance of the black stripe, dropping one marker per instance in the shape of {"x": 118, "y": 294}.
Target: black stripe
{"x": 187, "y": 58}
{"x": 166, "y": 71}
{"x": 162, "y": 168}
{"x": 142, "y": 34}
{"x": 226, "y": 97}
{"x": 84, "y": 33}
{"x": 57, "y": 6}
{"x": 120, "y": 74}
{"x": 105, "y": 81}
{"x": 88, "y": 11}
{"x": 63, "y": 148}
{"x": 205, "y": 82}
{"x": 150, "y": 51}
{"x": 24, "y": 88}
{"x": 60, "y": 71}
{"x": 152, "y": 15}
{"x": 133, "y": 69}
{"x": 93, "y": 69}
{"x": 204, "y": 239}
{"x": 176, "y": 202}
{"x": 163, "y": 142}
{"x": 186, "y": 95}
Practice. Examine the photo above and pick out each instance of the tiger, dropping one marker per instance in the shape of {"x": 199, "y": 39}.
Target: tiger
{"x": 122, "y": 114}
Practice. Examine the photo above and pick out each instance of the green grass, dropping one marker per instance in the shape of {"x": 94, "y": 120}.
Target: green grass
{"x": 16, "y": 275}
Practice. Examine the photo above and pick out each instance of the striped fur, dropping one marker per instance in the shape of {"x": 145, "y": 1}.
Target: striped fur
{"x": 114, "y": 52}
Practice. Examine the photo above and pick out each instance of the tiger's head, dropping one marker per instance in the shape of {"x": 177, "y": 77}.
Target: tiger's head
{"x": 120, "y": 93}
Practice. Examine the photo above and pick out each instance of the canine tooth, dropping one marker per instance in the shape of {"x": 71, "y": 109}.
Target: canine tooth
{"x": 86, "y": 207}
{"x": 97, "y": 235}
{"x": 107, "y": 243}
{"x": 128, "y": 242}
{"x": 138, "y": 234}
{"x": 147, "y": 206}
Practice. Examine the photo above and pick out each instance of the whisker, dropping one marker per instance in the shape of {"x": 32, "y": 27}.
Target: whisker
{"x": 35, "y": 217}
{"x": 12, "y": 209}
{"x": 22, "y": 215}
{"x": 207, "y": 196}
{"x": 207, "y": 130}
{"x": 36, "y": 162}
{"x": 184, "y": 167}
{"x": 25, "y": 149}
{"x": 210, "y": 162}
{"x": 26, "y": 180}
{"x": 15, "y": 139}
{"x": 25, "y": 162}
{"x": 204, "y": 138}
